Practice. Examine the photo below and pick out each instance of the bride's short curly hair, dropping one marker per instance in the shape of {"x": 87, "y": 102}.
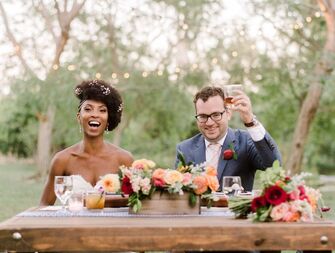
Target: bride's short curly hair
{"x": 101, "y": 91}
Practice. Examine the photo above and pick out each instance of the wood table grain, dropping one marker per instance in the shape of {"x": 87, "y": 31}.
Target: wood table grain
{"x": 93, "y": 234}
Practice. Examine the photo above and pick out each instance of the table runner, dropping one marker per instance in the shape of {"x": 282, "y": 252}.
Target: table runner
{"x": 115, "y": 212}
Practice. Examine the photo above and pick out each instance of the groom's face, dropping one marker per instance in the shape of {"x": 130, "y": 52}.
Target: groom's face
{"x": 213, "y": 130}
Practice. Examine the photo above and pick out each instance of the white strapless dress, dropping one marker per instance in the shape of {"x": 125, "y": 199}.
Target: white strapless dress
{"x": 80, "y": 184}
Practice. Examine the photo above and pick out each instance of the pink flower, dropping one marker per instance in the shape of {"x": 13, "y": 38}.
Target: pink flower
{"x": 278, "y": 212}
{"x": 158, "y": 182}
{"x": 158, "y": 177}
{"x": 187, "y": 179}
{"x": 294, "y": 195}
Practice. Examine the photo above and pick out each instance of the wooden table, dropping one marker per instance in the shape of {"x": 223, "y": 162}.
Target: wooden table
{"x": 160, "y": 233}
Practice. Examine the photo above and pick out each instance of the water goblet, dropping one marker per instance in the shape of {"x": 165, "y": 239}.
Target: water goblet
{"x": 231, "y": 185}
{"x": 63, "y": 187}
{"x": 229, "y": 93}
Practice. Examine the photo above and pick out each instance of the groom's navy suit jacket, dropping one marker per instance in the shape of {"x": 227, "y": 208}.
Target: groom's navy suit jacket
{"x": 251, "y": 155}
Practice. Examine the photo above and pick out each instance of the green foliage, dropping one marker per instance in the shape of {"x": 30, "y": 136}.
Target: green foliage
{"x": 271, "y": 175}
{"x": 158, "y": 110}
{"x": 18, "y": 122}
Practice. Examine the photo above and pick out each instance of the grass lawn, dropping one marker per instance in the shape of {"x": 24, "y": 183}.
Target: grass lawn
{"x": 19, "y": 193}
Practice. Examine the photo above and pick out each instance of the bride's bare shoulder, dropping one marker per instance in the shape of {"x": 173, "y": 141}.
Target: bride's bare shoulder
{"x": 65, "y": 154}
{"x": 124, "y": 156}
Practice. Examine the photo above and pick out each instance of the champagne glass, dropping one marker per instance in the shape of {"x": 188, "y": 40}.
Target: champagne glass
{"x": 63, "y": 189}
{"x": 229, "y": 93}
{"x": 231, "y": 185}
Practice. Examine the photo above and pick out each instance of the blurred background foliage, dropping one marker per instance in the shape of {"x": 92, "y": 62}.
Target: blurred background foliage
{"x": 158, "y": 53}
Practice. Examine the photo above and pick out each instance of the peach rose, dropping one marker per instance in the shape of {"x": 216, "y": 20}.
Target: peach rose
{"x": 143, "y": 164}
{"x": 201, "y": 184}
{"x": 111, "y": 183}
{"x": 159, "y": 173}
{"x": 211, "y": 171}
{"x": 291, "y": 216}
{"x": 173, "y": 176}
{"x": 212, "y": 182}
{"x": 279, "y": 211}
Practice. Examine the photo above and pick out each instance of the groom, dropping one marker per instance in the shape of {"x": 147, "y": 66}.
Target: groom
{"x": 234, "y": 152}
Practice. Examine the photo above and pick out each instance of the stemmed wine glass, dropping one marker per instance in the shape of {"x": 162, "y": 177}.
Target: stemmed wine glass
{"x": 231, "y": 185}
{"x": 63, "y": 189}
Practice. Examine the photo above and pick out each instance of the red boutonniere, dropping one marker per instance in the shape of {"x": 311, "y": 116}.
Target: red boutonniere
{"x": 230, "y": 153}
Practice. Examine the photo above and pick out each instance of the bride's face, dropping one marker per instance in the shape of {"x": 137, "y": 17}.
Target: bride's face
{"x": 93, "y": 117}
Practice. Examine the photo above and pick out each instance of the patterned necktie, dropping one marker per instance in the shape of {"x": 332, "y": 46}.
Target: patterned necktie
{"x": 214, "y": 154}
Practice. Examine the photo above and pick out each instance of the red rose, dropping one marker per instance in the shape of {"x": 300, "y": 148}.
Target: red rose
{"x": 275, "y": 195}
{"x": 257, "y": 203}
{"x": 126, "y": 186}
{"x": 228, "y": 154}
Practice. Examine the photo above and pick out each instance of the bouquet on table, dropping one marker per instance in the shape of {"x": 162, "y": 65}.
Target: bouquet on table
{"x": 282, "y": 198}
{"x": 142, "y": 179}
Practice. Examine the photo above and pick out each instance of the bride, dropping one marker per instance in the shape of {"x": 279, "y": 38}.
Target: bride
{"x": 99, "y": 111}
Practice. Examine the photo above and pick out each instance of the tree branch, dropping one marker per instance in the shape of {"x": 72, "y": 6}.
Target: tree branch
{"x": 64, "y": 19}
{"x": 47, "y": 18}
{"x": 17, "y": 46}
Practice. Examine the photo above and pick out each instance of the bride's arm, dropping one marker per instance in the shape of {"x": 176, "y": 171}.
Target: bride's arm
{"x": 56, "y": 169}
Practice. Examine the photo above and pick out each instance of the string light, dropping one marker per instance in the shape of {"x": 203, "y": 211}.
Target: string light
{"x": 317, "y": 14}
{"x": 55, "y": 66}
{"x": 185, "y": 26}
{"x": 114, "y": 75}
{"x": 214, "y": 60}
{"x": 98, "y": 75}
{"x": 71, "y": 67}
{"x": 309, "y": 19}
{"x": 159, "y": 72}
{"x": 126, "y": 75}
{"x": 177, "y": 70}
{"x": 194, "y": 65}
{"x": 144, "y": 74}
{"x": 234, "y": 54}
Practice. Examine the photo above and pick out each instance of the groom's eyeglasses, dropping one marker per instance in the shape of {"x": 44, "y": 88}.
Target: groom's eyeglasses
{"x": 215, "y": 116}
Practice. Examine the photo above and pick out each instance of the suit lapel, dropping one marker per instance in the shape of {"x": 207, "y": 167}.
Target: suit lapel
{"x": 230, "y": 138}
{"x": 200, "y": 151}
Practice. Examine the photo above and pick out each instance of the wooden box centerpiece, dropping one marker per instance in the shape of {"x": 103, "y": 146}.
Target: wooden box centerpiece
{"x": 163, "y": 203}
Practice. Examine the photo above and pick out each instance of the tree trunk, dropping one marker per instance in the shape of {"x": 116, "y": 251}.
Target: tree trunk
{"x": 44, "y": 140}
{"x": 310, "y": 104}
